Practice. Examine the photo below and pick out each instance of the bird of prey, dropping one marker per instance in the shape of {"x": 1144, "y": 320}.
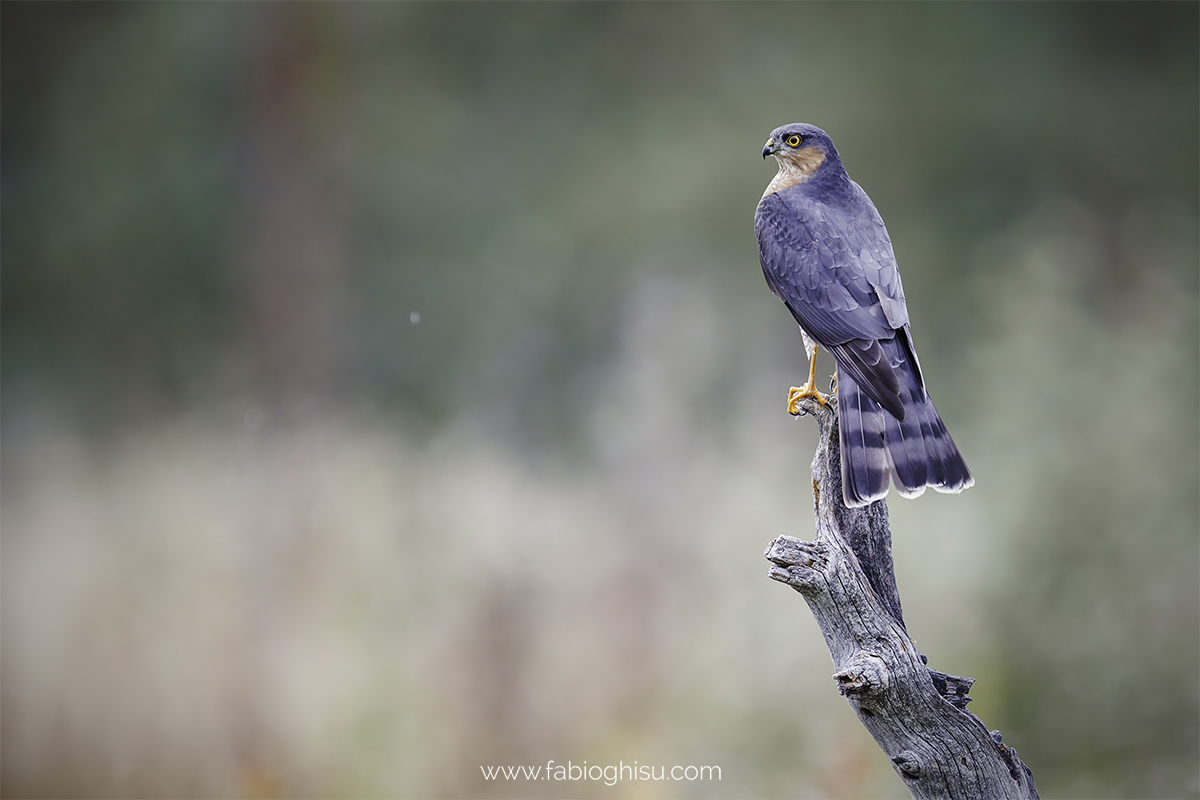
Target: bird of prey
{"x": 826, "y": 254}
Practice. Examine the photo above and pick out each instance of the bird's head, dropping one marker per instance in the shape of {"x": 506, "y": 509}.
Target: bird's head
{"x": 800, "y": 148}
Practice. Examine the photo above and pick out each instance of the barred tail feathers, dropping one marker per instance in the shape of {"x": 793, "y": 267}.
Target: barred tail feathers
{"x": 865, "y": 462}
{"x": 922, "y": 452}
{"x": 915, "y": 451}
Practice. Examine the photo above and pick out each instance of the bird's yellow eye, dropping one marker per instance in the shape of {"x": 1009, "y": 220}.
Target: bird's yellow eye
{"x": 793, "y": 140}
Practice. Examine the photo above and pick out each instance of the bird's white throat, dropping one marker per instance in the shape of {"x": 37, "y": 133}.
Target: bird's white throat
{"x": 794, "y": 168}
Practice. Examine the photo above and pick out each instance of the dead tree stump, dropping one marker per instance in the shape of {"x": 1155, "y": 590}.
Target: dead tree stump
{"x": 917, "y": 715}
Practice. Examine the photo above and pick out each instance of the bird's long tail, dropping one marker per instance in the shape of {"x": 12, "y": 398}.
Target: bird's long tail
{"x": 916, "y": 451}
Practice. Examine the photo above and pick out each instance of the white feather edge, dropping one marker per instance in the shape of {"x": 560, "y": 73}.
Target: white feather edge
{"x": 902, "y": 491}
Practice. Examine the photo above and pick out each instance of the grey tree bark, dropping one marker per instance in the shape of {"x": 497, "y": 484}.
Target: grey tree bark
{"x": 917, "y": 715}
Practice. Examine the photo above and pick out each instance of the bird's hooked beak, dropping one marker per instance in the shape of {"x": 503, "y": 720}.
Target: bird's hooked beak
{"x": 769, "y": 148}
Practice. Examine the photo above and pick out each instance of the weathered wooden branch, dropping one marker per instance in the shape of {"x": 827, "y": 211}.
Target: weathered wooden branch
{"x": 917, "y": 715}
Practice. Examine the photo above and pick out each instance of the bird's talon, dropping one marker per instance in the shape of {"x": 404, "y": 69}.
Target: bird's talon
{"x": 798, "y": 393}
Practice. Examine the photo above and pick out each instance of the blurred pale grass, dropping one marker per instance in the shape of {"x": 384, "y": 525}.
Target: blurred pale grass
{"x": 333, "y": 610}
{"x": 211, "y": 607}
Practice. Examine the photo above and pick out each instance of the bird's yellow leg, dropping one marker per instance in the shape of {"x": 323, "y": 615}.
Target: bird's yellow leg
{"x": 798, "y": 393}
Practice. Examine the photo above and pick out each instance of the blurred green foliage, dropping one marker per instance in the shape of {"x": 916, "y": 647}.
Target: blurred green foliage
{"x": 466, "y": 214}
{"x": 506, "y": 171}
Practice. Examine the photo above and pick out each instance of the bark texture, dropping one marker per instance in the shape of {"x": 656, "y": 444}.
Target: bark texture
{"x": 917, "y": 715}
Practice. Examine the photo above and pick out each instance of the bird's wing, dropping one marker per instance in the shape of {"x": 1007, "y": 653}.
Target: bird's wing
{"x": 837, "y": 267}
{"x": 836, "y": 273}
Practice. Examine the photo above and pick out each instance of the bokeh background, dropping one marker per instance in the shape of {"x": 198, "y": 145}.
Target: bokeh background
{"x": 391, "y": 390}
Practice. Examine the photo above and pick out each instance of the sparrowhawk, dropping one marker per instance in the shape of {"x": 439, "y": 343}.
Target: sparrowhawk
{"x": 826, "y": 254}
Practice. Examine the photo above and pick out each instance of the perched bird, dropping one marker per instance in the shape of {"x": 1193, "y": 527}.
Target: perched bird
{"x": 826, "y": 254}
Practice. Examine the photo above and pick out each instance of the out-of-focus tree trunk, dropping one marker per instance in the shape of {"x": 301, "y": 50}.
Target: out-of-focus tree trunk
{"x": 294, "y": 247}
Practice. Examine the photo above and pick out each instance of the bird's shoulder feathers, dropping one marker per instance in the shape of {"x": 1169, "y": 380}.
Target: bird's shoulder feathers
{"x": 832, "y": 264}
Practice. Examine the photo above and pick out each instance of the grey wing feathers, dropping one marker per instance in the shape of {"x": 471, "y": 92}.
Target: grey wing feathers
{"x": 866, "y": 362}
{"x": 829, "y": 272}
{"x": 839, "y": 279}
